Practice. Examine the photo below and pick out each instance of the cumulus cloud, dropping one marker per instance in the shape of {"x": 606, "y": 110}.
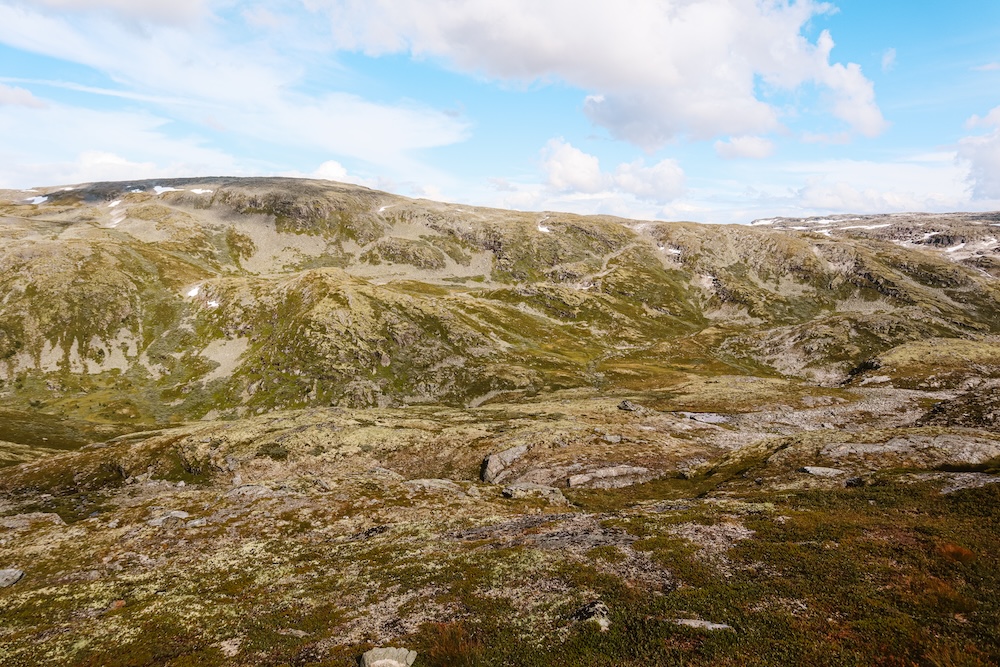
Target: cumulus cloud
{"x": 744, "y": 147}
{"x": 982, "y": 155}
{"x": 570, "y": 170}
{"x": 12, "y": 96}
{"x": 662, "y": 68}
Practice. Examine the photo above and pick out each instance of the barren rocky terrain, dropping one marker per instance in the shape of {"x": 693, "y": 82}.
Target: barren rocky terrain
{"x": 283, "y": 422}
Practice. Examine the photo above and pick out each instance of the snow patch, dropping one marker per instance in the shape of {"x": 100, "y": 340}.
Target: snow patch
{"x": 764, "y": 221}
{"x": 194, "y": 291}
{"x": 213, "y": 304}
{"x": 37, "y": 200}
{"x": 955, "y": 248}
{"x": 115, "y": 203}
{"x": 199, "y": 191}
{"x": 383, "y": 209}
{"x": 544, "y": 229}
{"x": 887, "y": 224}
{"x": 159, "y": 189}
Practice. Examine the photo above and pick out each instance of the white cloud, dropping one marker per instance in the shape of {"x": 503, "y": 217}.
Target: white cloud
{"x": 661, "y": 182}
{"x": 12, "y": 96}
{"x": 199, "y": 75}
{"x": 988, "y": 67}
{"x": 331, "y": 170}
{"x": 175, "y": 11}
{"x": 744, "y": 147}
{"x": 660, "y": 69}
{"x": 888, "y": 60}
{"x": 982, "y": 155}
{"x": 61, "y": 144}
{"x": 569, "y": 170}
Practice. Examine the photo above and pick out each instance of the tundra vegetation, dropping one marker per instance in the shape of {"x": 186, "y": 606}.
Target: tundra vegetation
{"x": 282, "y": 422}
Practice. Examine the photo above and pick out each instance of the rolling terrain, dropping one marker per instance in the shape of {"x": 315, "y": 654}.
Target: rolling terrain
{"x": 280, "y": 422}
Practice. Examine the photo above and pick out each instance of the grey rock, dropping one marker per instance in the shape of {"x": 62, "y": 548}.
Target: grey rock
{"x": 495, "y": 465}
{"x": 251, "y": 492}
{"x": 702, "y": 625}
{"x": 610, "y": 478}
{"x": 434, "y": 485}
{"x": 613, "y": 439}
{"x": 530, "y": 490}
{"x": 706, "y": 417}
{"x": 819, "y": 471}
{"x": 629, "y": 406}
{"x": 168, "y": 518}
{"x": 10, "y": 577}
{"x": 388, "y": 657}
{"x": 22, "y": 521}
{"x": 595, "y": 611}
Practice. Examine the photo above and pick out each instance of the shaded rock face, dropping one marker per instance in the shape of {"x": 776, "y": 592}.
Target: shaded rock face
{"x": 495, "y": 466}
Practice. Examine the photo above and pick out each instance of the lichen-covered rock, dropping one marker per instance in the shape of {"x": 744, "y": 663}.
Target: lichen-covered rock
{"x": 530, "y": 490}
{"x": 494, "y": 468}
{"x": 388, "y": 657}
{"x": 10, "y": 577}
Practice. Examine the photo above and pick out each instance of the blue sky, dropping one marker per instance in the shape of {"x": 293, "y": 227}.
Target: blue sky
{"x": 708, "y": 110}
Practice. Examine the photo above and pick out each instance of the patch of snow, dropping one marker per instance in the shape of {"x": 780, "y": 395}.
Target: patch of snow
{"x": 136, "y": 191}
{"x": 68, "y": 189}
{"x": 29, "y": 190}
{"x": 824, "y": 231}
{"x": 672, "y": 251}
{"x": 822, "y": 221}
{"x": 764, "y": 221}
{"x": 213, "y": 304}
{"x": 385, "y": 208}
{"x": 955, "y": 248}
{"x": 887, "y": 224}
{"x": 927, "y": 235}
{"x": 115, "y": 203}
{"x": 37, "y": 200}
{"x": 199, "y": 191}
{"x": 159, "y": 189}
{"x": 193, "y": 292}
{"x": 544, "y": 229}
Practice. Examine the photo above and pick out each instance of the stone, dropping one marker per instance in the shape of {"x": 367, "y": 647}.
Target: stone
{"x": 495, "y": 466}
{"x": 434, "y": 486}
{"x": 595, "y": 611}
{"x": 706, "y": 417}
{"x": 10, "y": 577}
{"x": 388, "y": 657}
{"x": 613, "y": 439}
{"x": 22, "y": 521}
{"x": 531, "y": 490}
{"x": 610, "y": 478}
{"x": 819, "y": 471}
{"x": 629, "y": 406}
{"x": 172, "y": 517}
{"x": 702, "y": 625}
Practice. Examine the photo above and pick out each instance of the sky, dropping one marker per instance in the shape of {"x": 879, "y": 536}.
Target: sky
{"x": 707, "y": 110}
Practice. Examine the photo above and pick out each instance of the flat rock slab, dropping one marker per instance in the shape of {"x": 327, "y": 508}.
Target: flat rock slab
{"x": 176, "y": 516}
{"x": 819, "y": 471}
{"x": 434, "y": 486}
{"x": 530, "y": 490}
{"x": 22, "y": 521}
{"x": 610, "y": 478}
{"x": 702, "y": 625}
{"x": 10, "y": 577}
{"x": 706, "y": 417}
{"x": 388, "y": 657}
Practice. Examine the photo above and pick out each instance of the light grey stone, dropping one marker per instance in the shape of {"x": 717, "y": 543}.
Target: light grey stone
{"x": 613, "y": 439}
{"x": 166, "y": 518}
{"x": 10, "y": 577}
{"x": 595, "y": 611}
{"x": 388, "y": 657}
{"x": 531, "y": 490}
{"x": 706, "y": 417}
{"x": 613, "y": 477}
{"x": 495, "y": 465}
{"x": 820, "y": 471}
{"x": 702, "y": 625}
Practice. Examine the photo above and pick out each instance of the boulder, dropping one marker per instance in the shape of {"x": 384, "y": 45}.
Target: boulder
{"x": 10, "y": 577}
{"x": 388, "y": 657}
{"x": 530, "y": 490}
{"x": 495, "y": 465}
{"x": 702, "y": 625}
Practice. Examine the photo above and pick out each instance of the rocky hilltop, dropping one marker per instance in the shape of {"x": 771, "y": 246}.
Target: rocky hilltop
{"x": 281, "y": 422}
